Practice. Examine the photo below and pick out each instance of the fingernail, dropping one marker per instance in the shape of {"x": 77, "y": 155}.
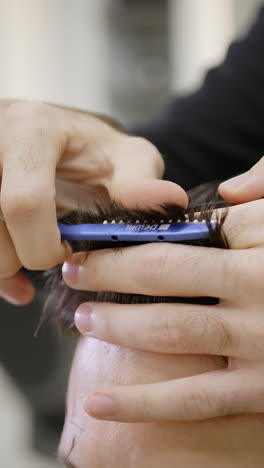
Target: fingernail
{"x": 18, "y": 293}
{"x": 70, "y": 272}
{"x": 236, "y": 182}
{"x": 101, "y": 406}
{"x": 18, "y": 297}
{"x": 83, "y": 319}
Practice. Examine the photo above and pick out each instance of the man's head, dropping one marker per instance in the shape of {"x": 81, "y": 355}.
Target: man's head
{"x": 64, "y": 301}
{"x": 87, "y": 442}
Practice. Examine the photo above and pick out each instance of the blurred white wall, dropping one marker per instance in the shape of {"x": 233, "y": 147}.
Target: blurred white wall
{"x": 86, "y": 58}
{"x": 54, "y": 50}
{"x": 62, "y": 50}
{"x": 245, "y": 12}
{"x": 16, "y": 427}
{"x": 200, "y": 33}
{"x": 31, "y": 43}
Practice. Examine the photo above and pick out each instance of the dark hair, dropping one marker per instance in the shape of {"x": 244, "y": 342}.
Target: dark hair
{"x": 62, "y": 301}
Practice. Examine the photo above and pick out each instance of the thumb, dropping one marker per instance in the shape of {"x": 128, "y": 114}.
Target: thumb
{"x": 149, "y": 194}
{"x": 137, "y": 169}
{"x": 245, "y": 187}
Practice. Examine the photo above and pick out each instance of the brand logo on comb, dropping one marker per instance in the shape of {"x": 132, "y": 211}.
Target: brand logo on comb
{"x": 141, "y": 227}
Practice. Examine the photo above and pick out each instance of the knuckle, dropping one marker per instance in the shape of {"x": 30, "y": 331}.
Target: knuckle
{"x": 217, "y": 334}
{"x": 225, "y": 341}
{"x": 21, "y": 207}
{"x": 163, "y": 330}
{"x": 223, "y": 405}
{"x": 174, "y": 332}
{"x": 25, "y": 110}
{"x": 196, "y": 407}
{"x": 203, "y": 405}
{"x": 190, "y": 332}
{"x": 156, "y": 260}
{"x": 193, "y": 332}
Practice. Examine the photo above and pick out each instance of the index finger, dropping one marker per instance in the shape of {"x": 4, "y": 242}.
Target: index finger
{"x": 28, "y": 195}
{"x": 162, "y": 270}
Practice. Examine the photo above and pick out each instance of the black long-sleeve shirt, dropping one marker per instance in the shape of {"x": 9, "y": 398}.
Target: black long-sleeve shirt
{"x": 219, "y": 130}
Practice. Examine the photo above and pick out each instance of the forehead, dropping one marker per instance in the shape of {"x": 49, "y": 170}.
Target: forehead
{"x": 96, "y": 365}
{"x": 80, "y": 429}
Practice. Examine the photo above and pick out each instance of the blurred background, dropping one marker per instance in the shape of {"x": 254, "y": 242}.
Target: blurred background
{"x": 124, "y": 58}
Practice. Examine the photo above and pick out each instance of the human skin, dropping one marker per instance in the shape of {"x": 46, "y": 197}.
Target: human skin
{"x": 233, "y": 328}
{"x": 245, "y": 187}
{"x": 230, "y": 442}
{"x": 60, "y": 159}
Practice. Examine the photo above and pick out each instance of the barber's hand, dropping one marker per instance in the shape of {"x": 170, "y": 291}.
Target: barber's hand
{"x": 54, "y": 160}
{"x": 233, "y": 328}
{"x": 245, "y": 187}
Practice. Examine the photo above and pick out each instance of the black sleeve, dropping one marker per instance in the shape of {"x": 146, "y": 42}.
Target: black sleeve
{"x": 219, "y": 130}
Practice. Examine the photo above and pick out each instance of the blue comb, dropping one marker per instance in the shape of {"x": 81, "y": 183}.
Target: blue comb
{"x": 160, "y": 232}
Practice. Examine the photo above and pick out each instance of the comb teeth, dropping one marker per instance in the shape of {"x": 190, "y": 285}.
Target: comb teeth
{"x": 162, "y": 221}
